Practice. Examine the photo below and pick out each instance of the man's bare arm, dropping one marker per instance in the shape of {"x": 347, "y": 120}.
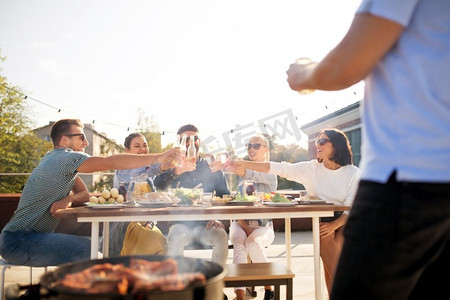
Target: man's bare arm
{"x": 128, "y": 161}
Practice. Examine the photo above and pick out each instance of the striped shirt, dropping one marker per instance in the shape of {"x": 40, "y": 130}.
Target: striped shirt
{"x": 50, "y": 181}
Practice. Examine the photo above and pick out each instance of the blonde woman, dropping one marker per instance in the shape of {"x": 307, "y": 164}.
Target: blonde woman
{"x": 250, "y": 237}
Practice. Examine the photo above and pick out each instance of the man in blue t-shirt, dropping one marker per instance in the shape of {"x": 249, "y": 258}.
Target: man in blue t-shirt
{"x": 397, "y": 235}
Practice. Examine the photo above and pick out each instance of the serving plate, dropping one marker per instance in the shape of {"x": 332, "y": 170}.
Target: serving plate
{"x": 275, "y": 204}
{"x": 154, "y": 204}
{"x": 105, "y": 206}
{"x": 318, "y": 201}
{"x": 233, "y": 203}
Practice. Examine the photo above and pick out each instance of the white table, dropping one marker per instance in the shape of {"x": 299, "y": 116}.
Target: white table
{"x": 135, "y": 213}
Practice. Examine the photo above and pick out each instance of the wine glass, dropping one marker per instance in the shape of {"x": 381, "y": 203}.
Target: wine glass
{"x": 304, "y": 61}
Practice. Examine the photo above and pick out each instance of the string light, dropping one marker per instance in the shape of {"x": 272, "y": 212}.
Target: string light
{"x": 128, "y": 128}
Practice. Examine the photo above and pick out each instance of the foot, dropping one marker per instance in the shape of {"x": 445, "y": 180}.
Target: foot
{"x": 268, "y": 295}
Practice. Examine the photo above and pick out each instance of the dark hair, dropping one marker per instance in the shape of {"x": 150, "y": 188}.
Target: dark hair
{"x": 188, "y": 127}
{"x": 342, "y": 150}
{"x": 130, "y": 137}
{"x": 62, "y": 127}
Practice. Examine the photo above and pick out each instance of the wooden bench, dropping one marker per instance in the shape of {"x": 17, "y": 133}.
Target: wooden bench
{"x": 261, "y": 274}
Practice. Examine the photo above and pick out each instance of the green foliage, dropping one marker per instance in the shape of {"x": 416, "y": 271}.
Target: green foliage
{"x": 105, "y": 182}
{"x": 290, "y": 153}
{"x": 21, "y": 149}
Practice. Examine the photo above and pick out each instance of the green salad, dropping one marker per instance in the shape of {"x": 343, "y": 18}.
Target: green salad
{"x": 279, "y": 198}
{"x": 249, "y": 198}
{"x": 186, "y": 195}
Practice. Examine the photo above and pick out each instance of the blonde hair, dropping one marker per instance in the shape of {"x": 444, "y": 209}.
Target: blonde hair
{"x": 265, "y": 140}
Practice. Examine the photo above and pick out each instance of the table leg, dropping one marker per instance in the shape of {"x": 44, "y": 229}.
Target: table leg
{"x": 316, "y": 247}
{"x": 287, "y": 234}
{"x": 289, "y": 289}
{"x": 95, "y": 228}
{"x": 105, "y": 239}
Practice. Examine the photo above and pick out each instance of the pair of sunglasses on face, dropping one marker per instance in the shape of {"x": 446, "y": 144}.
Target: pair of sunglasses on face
{"x": 255, "y": 146}
{"x": 322, "y": 142}
{"x": 81, "y": 135}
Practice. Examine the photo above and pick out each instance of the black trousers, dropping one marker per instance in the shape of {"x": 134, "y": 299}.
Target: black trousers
{"x": 396, "y": 243}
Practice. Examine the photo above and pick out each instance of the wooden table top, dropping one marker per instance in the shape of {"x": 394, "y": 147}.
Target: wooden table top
{"x": 85, "y": 211}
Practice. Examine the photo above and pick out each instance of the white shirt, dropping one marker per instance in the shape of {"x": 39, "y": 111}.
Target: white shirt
{"x": 335, "y": 186}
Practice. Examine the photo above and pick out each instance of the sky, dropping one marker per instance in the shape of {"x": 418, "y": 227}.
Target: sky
{"x": 218, "y": 64}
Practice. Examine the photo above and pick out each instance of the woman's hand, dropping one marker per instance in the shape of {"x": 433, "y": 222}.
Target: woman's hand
{"x": 238, "y": 167}
{"x": 214, "y": 224}
{"x": 327, "y": 229}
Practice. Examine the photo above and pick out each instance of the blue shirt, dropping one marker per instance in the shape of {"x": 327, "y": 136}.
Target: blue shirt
{"x": 406, "y": 107}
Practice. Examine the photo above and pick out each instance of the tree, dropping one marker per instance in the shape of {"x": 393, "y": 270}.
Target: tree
{"x": 290, "y": 153}
{"x": 21, "y": 149}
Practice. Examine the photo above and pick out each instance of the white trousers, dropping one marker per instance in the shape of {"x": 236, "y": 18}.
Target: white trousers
{"x": 180, "y": 236}
{"x": 252, "y": 245}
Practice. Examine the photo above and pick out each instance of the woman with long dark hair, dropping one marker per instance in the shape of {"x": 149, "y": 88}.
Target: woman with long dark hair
{"x": 331, "y": 177}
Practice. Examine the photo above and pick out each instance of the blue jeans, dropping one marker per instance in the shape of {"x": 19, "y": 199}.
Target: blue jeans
{"x": 39, "y": 249}
{"x": 396, "y": 243}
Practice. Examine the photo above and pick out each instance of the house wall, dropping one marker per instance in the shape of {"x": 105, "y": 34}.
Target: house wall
{"x": 347, "y": 119}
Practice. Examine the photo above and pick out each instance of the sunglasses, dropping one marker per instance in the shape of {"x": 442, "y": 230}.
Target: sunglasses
{"x": 81, "y": 135}
{"x": 255, "y": 146}
{"x": 322, "y": 142}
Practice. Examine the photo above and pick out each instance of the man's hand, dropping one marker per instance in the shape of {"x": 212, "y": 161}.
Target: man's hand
{"x": 64, "y": 203}
{"x": 186, "y": 166}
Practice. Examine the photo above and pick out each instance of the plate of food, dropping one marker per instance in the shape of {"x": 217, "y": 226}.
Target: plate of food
{"x": 104, "y": 205}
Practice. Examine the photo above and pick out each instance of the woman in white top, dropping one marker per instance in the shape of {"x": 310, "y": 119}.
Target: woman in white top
{"x": 250, "y": 237}
{"x": 331, "y": 177}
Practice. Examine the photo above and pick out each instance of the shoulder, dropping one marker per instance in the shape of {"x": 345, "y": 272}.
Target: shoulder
{"x": 68, "y": 154}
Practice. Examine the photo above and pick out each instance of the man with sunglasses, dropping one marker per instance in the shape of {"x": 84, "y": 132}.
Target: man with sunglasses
{"x": 183, "y": 233}
{"x": 28, "y": 238}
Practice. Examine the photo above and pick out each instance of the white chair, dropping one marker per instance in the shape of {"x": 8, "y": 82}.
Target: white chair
{"x": 6, "y": 265}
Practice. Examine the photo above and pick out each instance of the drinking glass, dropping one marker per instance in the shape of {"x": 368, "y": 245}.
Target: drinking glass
{"x": 207, "y": 199}
{"x": 304, "y": 195}
{"x": 197, "y": 195}
{"x": 259, "y": 198}
{"x": 304, "y": 61}
{"x": 223, "y": 157}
